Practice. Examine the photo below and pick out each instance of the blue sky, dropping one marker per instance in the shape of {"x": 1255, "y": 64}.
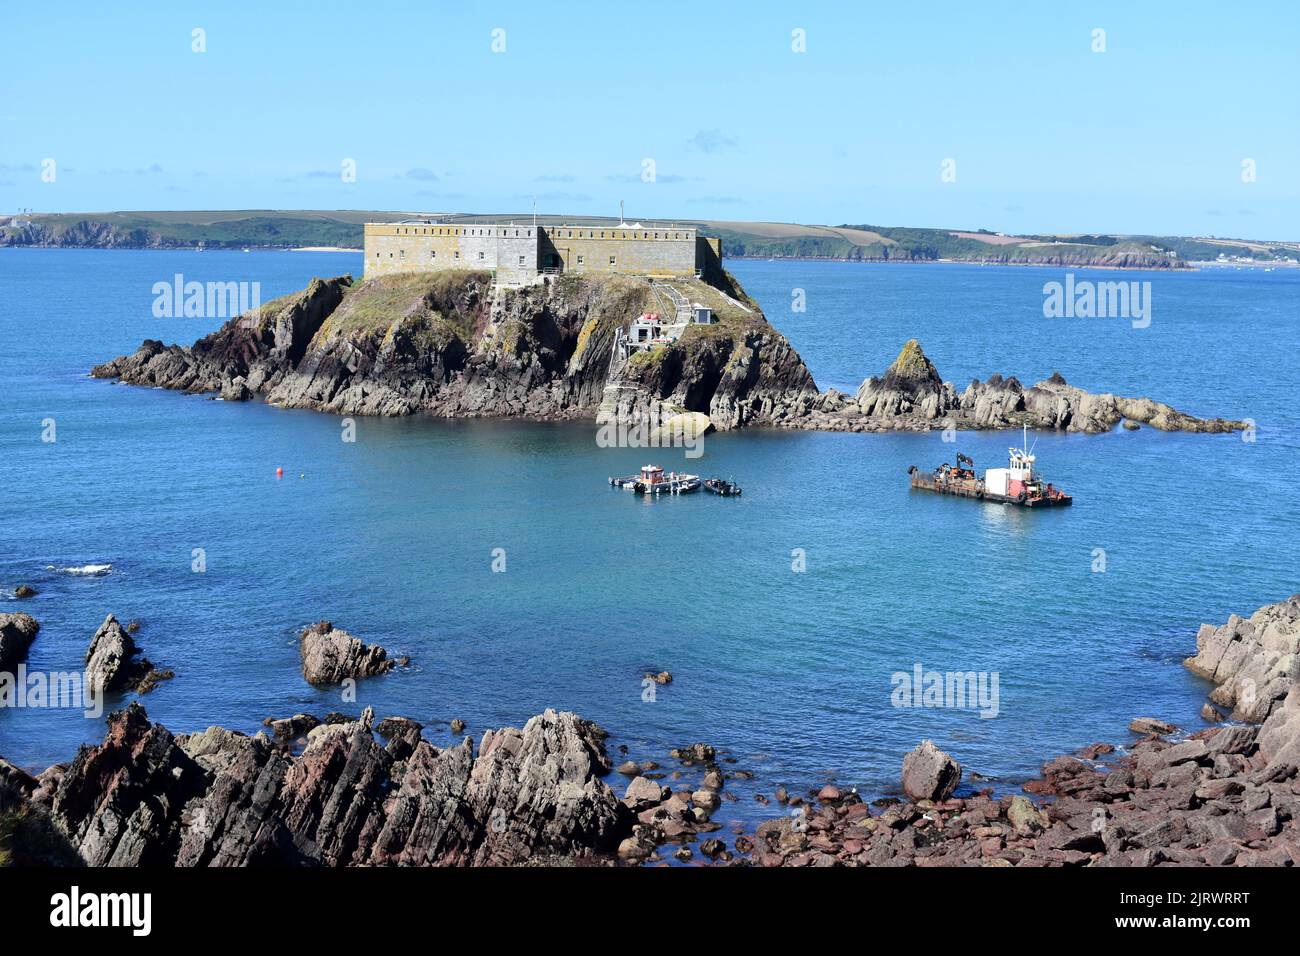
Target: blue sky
{"x": 1046, "y": 134}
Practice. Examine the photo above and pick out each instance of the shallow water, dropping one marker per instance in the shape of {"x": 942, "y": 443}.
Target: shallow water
{"x": 392, "y": 537}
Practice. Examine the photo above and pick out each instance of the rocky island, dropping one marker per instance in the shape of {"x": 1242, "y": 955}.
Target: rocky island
{"x": 454, "y": 344}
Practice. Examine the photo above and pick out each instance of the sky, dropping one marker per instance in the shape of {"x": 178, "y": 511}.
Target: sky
{"x": 1183, "y": 119}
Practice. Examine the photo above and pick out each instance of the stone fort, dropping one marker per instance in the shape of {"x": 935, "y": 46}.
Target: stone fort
{"x": 517, "y": 253}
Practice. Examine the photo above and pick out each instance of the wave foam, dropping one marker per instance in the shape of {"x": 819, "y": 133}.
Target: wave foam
{"x": 85, "y": 570}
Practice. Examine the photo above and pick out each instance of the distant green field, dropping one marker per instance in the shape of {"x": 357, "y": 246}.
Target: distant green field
{"x": 273, "y": 228}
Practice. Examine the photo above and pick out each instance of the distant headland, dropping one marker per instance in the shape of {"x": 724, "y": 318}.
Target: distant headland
{"x": 344, "y": 229}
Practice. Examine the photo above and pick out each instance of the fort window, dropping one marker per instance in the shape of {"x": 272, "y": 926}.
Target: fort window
{"x": 579, "y": 260}
{"x": 457, "y": 253}
{"x": 521, "y": 260}
{"x": 480, "y": 255}
{"x": 401, "y": 253}
{"x": 611, "y": 260}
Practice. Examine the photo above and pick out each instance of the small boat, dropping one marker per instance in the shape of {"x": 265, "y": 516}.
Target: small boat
{"x": 1017, "y": 484}
{"x": 653, "y": 480}
{"x": 727, "y": 489}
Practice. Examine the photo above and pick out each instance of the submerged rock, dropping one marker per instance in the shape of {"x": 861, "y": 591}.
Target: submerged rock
{"x": 1150, "y": 725}
{"x": 25, "y": 591}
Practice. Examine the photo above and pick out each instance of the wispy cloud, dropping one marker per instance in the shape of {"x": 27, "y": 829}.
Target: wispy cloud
{"x": 422, "y": 174}
{"x": 554, "y": 197}
{"x": 635, "y": 178}
{"x": 717, "y": 200}
{"x": 153, "y": 170}
{"x": 554, "y": 178}
{"x": 711, "y": 141}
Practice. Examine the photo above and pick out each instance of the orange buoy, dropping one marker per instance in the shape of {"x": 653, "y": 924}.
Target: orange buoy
{"x": 279, "y": 472}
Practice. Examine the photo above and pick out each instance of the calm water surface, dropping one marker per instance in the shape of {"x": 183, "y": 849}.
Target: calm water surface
{"x": 392, "y": 537}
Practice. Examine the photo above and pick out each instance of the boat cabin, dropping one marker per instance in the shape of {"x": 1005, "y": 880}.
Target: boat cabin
{"x": 1017, "y": 477}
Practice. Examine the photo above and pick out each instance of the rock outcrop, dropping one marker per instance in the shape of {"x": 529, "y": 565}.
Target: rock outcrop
{"x": 929, "y": 773}
{"x": 1254, "y": 662}
{"x": 911, "y": 396}
{"x": 1255, "y": 665}
{"x": 451, "y": 344}
{"x": 447, "y": 344}
{"x": 114, "y": 662}
{"x": 331, "y": 655}
{"x": 219, "y": 798}
{"x": 17, "y": 631}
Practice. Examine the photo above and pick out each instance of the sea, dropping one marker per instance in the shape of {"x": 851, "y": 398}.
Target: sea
{"x": 795, "y": 620}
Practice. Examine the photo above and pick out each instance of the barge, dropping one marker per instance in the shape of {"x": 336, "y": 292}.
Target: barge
{"x": 1017, "y": 484}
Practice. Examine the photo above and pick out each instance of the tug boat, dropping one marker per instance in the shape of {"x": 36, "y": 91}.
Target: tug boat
{"x": 653, "y": 480}
{"x": 1017, "y": 484}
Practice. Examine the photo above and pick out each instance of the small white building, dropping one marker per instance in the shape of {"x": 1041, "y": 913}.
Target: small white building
{"x": 702, "y": 314}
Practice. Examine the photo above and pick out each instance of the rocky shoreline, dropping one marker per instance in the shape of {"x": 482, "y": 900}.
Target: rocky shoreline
{"x": 450, "y": 344}
{"x": 330, "y": 794}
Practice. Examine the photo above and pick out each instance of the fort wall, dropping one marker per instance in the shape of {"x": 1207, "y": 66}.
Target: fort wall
{"x": 517, "y": 253}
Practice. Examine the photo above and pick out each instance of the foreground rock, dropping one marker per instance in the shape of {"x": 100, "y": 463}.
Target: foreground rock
{"x": 1223, "y": 796}
{"x": 219, "y": 798}
{"x": 114, "y": 662}
{"x": 1253, "y": 661}
{"x": 17, "y": 631}
{"x": 451, "y": 344}
{"x": 929, "y": 773}
{"x": 331, "y": 655}
{"x": 1216, "y": 799}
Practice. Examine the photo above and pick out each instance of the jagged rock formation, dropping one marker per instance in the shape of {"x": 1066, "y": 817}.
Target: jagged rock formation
{"x": 219, "y": 798}
{"x": 113, "y": 662}
{"x": 330, "y": 655}
{"x": 1255, "y": 663}
{"x": 449, "y": 344}
{"x": 911, "y": 396}
{"x": 446, "y": 344}
{"x": 17, "y": 631}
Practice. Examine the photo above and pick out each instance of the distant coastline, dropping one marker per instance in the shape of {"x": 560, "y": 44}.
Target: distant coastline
{"x": 342, "y": 231}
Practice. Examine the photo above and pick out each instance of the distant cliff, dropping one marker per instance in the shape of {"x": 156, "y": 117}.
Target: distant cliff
{"x": 286, "y": 228}
{"x": 448, "y": 344}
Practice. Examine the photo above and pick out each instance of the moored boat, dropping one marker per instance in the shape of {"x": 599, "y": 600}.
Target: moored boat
{"x": 727, "y": 489}
{"x": 653, "y": 480}
{"x": 1017, "y": 484}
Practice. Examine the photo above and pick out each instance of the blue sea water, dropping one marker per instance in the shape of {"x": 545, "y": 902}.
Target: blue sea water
{"x": 392, "y": 537}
